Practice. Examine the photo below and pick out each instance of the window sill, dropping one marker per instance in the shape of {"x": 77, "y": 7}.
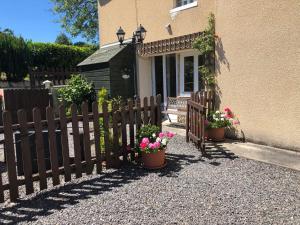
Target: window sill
{"x": 184, "y": 7}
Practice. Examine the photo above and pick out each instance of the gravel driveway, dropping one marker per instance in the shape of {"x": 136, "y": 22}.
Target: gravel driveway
{"x": 222, "y": 189}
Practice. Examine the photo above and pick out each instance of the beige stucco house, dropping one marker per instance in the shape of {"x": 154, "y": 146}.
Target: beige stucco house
{"x": 257, "y": 57}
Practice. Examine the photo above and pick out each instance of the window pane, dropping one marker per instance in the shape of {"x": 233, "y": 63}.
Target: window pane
{"x": 189, "y": 74}
{"x": 183, "y": 2}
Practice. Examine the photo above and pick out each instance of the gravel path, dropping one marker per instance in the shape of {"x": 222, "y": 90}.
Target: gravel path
{"x": 223, "y": 189}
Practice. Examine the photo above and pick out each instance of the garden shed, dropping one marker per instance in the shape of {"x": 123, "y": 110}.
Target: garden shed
{"x": 111, "y": 67}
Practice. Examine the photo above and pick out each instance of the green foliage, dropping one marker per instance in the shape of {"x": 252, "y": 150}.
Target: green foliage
{"x": 218, "y": 119}
{"x": 14, "y": 54}
{"x": 147, "y": 131}
{"x": 62, "y": 39}
{"x": 56, "y": 55}
{"x": 78, "y": 17}
{"x": 102, "y": 96}
{"x": 205, "y": 44}
{"x": 78, "y": 90}
{"x": 17, "y": 55}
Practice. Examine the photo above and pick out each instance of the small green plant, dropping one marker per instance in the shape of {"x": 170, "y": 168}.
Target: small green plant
{"x": 147, "y": 131}
{"x": 205, "y": 44}
{"x": 78, "y": 90}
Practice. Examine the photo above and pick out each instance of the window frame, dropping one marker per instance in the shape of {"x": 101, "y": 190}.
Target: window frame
{"x": 183, "y": 7}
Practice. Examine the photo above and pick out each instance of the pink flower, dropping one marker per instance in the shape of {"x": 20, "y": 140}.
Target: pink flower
{"x": 236, "y": 122}
{"x": 143, "y": 145}
{"x": 145, "y": 141}
{"x": 170, "y": 134}
{"x": 156, "y": 145}
{"x": 161, "y": 135}
{"x": 152, "y": 146}
{"x": 227, "y": 109}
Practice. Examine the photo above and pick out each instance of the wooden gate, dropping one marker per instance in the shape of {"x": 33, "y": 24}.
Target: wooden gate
{"x": 109, "y": 129}
{"x": 196, "y": 116}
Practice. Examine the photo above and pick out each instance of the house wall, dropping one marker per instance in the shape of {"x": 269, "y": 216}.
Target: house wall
{"x": 144, "y": 79}
{"x": 154, "y": 15}
{"x": 258, "y": 63}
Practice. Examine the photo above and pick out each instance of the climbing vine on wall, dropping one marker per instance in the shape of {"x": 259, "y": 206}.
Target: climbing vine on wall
{"x": 205, "y": 44}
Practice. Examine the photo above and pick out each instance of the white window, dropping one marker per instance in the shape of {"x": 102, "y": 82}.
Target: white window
{"x": 180, "y": 5}
{"x": 183, "y": 2}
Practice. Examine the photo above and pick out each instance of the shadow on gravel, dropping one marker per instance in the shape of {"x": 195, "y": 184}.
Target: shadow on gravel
{"x": 46, "y": 203}
{"x": 216, "y": 150}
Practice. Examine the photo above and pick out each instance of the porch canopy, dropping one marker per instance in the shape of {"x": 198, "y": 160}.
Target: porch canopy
{"x": 168, "y": 45}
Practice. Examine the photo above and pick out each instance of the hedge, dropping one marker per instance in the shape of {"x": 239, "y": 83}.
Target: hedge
{"x": 17, "y": 55}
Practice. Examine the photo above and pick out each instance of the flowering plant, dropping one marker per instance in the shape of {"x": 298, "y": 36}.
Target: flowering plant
{"x": 160, "y": 142}
{"x": 151, "y": 140}
{"x": 219, "y": 119}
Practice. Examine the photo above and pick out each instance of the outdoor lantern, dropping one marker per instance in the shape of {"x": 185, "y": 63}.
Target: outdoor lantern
{"x": 121, "y": 35}
{"x": 140, "y": 34}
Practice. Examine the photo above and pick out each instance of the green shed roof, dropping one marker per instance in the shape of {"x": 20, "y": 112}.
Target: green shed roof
{"x": 104, "y": 54}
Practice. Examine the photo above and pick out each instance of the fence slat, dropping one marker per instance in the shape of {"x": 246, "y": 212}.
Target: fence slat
{"x": 76, "y": 141}
{"x": 10, "y": 156}
{"x": 187, "y": 123}
{"x": 131, "y": 126}
{"x": 145, "y": 117}
{"x": 52, "y": 146}
{"x": 116, "y": 147}
{"x": 158, "y": 111}
{"x": 26, "y": 153}
{"x": 39, "y": 146}
{"x": 124, "y": 133}
{"x": 86, "y": 138}
{"x": 152, "y": 111}
{"x": 106, "y": 134}
{"x": 65, "y": 143}
{"x": 1, "y": 189}
{"x": 97, "y": 137}
{"x": 138, "y": 113}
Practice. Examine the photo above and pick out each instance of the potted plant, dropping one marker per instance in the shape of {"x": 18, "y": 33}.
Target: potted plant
{"x": 152, "y": 146}
{"x": 217, "y": 122}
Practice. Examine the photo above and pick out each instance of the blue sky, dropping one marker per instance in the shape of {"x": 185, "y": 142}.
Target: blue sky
{"x": 32, "y": 19}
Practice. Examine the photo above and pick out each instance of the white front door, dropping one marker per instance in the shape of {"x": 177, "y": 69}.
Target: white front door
{"x": 189, "y": 75}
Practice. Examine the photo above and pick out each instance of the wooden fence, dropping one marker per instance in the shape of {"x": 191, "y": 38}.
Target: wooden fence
{"x": 197, "y": 108}
{"x": 57, "y": 75}
{"x": 122, "y": 122}
{"x": 27, "y": 99}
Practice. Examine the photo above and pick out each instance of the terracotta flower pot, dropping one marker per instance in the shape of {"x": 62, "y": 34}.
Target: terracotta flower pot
{"x": 216, "y": 134}
{"x": 154, "y": 160}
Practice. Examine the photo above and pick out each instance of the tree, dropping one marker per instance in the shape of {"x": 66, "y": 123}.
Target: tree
{"x": 78, "y": 17}
{"x": 62, "y": 39}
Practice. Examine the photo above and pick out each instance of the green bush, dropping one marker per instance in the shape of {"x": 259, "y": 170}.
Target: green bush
{"x": 57, "y": 55}
{"x": 147, "y": 131}
{"x": 17, "y": 55}
{"x": 14, "y": 55}
{"x": 77, "y": 90}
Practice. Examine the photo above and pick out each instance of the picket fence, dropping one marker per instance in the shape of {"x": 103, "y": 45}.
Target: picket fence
{"x": 122, "y": 122}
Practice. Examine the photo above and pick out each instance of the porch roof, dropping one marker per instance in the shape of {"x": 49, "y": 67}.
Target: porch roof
{"x": 168, "y": 45}
{"x": 102, "y": 55}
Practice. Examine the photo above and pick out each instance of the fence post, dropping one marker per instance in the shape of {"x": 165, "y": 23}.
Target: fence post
{"x": 86, "y": 138}
{"x": 76, "y": 141}
{"x": 158, "y": 111}
{"x": 152, "y": 111}
{"x": 124, "y": 133}
{"x": 106, "y": 134}
{"x": 26, "y": 153}
{"x": 97, "y": 137}
{"x": 145, "y": 119}
{"x": 131, "y": 128}
{"x": 52, "y": 146}
{"x": 116, "y": 144}
{"x": 10, "y": 156}
{"x": 187, "y": 122}
{"x": 39, "y": 146}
